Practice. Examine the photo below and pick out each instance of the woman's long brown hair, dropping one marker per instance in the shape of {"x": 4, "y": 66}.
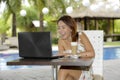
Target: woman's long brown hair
{"x": 68, "y": 20}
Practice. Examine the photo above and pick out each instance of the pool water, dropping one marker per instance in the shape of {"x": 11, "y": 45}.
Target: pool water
{"x": 109, "y": 53}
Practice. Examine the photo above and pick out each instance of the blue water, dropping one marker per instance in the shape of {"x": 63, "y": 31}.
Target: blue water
{"x": 109, "y": 54}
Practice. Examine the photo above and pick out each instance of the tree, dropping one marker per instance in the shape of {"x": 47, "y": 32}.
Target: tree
{"x": 24, "y": 23}
{"x": 39, "y": 4}
{"x": 12, "y": 7}
{"x": 54, "y": 9}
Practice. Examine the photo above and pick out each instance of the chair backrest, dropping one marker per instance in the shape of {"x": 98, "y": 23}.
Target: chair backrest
{"x": 96, "y": 39}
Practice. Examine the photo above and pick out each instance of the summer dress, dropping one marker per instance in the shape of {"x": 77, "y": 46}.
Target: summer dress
{"x": 85, "y": 75}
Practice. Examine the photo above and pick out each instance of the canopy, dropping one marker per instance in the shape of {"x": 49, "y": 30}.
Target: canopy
{"x": 81, "y": 13}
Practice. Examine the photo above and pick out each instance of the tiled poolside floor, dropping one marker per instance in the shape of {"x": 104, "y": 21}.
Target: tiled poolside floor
{"x": 41, "y": 73}
{"x": 111, "y": 69}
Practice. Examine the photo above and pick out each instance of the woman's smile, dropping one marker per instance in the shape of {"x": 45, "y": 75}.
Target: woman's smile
{"x": 64, "y": 30}
{"x": 62, "y": 34}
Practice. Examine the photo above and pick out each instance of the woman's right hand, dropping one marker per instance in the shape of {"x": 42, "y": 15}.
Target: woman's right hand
{"x": 64, "y": 54}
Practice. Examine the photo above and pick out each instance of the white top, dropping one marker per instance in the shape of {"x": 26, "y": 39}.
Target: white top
{"x": 80, "y": 46}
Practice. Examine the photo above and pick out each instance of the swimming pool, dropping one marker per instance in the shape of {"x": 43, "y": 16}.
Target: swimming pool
{"x": 109, "y": 53}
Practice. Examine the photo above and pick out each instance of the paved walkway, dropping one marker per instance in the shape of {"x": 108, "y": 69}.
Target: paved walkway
{"x": 111, "y": 69}
{"x": 41, "y": 73}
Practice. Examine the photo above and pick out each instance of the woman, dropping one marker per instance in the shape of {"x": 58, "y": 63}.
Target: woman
{"x": 67, "y": 31}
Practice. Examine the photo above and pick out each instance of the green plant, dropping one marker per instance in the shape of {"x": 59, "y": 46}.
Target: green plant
{"x": 55, "y": 41}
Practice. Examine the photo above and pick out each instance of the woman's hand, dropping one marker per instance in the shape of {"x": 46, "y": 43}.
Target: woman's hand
{"x": 64, "y": 54}
{"x": 61, "y": 54}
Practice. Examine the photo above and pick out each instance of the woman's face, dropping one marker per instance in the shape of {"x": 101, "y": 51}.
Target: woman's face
{"x": 64, "y": 30}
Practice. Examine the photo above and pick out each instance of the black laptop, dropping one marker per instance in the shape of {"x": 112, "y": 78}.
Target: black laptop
{"x": 35, "y": 45}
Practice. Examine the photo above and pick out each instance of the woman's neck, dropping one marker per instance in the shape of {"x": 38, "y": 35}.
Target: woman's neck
{"x": 69, "y": 39}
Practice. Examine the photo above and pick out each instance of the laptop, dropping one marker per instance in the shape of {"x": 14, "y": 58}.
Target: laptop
{"x": 35, "y": 45}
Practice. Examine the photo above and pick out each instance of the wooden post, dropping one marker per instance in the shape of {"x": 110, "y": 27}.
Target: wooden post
{"x": 85, "y": 23}
{"x": 113, "y": 25}
{"x": 96, "y": 24}
{"x": 41, "y": 22}
{"x": 108, "y": 26}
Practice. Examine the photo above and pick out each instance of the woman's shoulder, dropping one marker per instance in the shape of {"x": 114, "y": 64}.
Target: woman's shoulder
{"x": 82, "y": 33}
{"x": 83, "y": 36}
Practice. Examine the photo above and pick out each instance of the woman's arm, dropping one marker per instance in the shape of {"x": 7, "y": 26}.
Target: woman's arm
{"x": 60, "y": 47}
{"x": 89, "y": 51}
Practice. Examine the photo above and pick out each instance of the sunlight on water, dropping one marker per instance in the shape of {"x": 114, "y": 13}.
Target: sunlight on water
{"x": 118, "y": 52}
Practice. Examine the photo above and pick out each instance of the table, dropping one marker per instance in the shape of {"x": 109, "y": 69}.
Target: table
{"x": 82, "y": 62}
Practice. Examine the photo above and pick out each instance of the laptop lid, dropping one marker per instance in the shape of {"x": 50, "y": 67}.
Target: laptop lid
{"x": 35, "y": 44}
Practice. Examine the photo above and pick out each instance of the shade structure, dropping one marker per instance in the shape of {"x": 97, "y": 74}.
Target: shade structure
{"x": 81, "y": 13}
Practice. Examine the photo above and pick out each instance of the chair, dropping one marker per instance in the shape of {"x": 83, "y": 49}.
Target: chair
{"x": 11, "y": 42}
{"x": 2, "y": 46}
{"x": 96, "y": 39}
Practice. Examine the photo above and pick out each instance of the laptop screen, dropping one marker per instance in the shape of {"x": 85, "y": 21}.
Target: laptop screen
{"x": 35, "y": 44}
